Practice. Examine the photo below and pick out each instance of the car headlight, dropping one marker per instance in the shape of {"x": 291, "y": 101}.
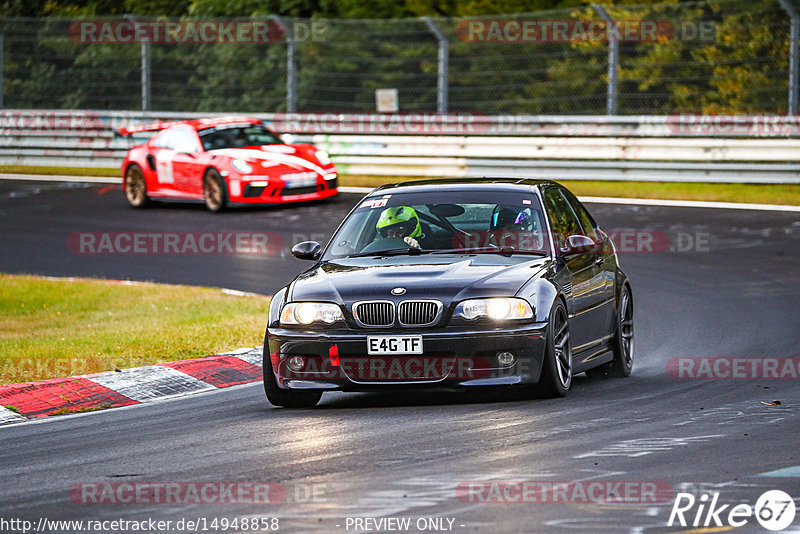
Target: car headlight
{"x": 242, "y": 166}
{"x": 311, "y": 312}
{"x": 323, "y": 157}
{"x": 496, "y": 309}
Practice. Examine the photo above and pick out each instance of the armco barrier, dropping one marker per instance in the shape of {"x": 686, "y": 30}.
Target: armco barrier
{"x": 560, "y": 147}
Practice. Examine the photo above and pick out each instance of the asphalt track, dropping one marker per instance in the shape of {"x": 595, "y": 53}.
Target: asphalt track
{"x": 403, "y": 455}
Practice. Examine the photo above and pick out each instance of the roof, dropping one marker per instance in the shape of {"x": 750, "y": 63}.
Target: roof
{"x": 465, "y": 184}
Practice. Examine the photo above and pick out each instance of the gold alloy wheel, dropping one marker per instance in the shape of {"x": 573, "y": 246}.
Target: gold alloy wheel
{"x": 135, "y": 186}
{"x": 212, "y": 192}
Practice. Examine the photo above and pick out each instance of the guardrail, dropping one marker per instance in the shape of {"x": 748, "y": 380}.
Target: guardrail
{"x": 458, "y": 145}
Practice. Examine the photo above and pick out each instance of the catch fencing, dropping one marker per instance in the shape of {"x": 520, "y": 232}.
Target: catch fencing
{"x": 730, "y": 56}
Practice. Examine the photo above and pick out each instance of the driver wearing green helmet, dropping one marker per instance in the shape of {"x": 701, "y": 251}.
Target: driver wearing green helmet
{"x": 400, "y": 222}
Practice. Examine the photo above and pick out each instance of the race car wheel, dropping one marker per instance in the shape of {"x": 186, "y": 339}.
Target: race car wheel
{"x": 623, "y": 340}
{"x": 622, "y": 364}
{"x": 287, "y": 398}
{"x": 136, "y": 187}
{"x": 215, "y": 193}
{"x": 556, "y": 377}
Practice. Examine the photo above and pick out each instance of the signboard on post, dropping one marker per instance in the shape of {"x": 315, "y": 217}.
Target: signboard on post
{"x": 386, "y": 100}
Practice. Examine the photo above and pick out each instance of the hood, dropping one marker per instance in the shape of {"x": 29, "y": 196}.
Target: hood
{"x": 275, "y": 154}
{"x": 446, "y": 278}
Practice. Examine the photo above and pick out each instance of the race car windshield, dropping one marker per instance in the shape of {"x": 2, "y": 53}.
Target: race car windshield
{"x": 449, "y": 222}
{"x": 237, "y": 137}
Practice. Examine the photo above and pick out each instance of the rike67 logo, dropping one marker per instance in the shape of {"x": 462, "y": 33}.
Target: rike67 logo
{"x": 774, "y": 510}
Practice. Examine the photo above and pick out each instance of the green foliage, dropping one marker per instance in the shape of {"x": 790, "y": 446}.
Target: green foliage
{"x": 739, "y": 65}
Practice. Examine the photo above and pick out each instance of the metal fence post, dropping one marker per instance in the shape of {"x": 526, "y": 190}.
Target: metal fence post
{"x": 291, "y": 66}
{"x": 613, "y": 60}
{"x": 145, "y": 53}
{"x": 444, "y": 65}
{"x": 794, "y": 19}
{"x": 2, "y": 68}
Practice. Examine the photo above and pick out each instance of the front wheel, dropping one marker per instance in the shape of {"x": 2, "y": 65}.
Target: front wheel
{"x": 556, "y": 377}
{"x": 215, "y": 194}
{"x": 287, "y": 398}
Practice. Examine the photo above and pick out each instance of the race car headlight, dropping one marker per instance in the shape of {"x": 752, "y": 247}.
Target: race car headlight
{"x": 323, "y": 157}
{"x": 496, "y": 309}
{"x": 304, "y": 313}
{"x": 242, "y": 166}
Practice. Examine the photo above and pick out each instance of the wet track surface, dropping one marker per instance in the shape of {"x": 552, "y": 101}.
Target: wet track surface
{"x": 732, "y": 294}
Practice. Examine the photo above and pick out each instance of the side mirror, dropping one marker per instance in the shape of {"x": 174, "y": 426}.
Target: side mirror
{"x": 288, "y": 139}
{"x": 578, "y": 244}
{"x": 307, "y": 250}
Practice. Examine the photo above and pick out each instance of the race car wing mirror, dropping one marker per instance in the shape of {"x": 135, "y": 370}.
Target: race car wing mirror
{"x": 578, "y": 244}
{"x": 307, "y": 250}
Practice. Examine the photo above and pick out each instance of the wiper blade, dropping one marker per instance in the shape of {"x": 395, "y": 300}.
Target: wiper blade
{"x": 506, "y": 251}
{"x": 390, "y": 252}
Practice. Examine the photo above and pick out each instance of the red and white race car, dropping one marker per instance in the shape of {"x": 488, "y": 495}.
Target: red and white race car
{"x": 224, "y": 161}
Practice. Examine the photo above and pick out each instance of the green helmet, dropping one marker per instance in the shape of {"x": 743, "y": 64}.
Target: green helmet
{"x": 400, "y": 217}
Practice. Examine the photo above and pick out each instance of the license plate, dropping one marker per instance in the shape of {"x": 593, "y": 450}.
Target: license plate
{"x": 303, "y": 182}
{"x": 377, "y": 345}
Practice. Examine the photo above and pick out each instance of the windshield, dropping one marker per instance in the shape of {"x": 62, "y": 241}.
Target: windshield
{"x": 237, "y": 136}
{"x": 444, "y": 222}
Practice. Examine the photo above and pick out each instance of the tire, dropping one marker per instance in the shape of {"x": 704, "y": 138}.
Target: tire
{"x": 136, "y": 187}
{"x": 286, "y": 398}
{"x": 622, "y": 364}
{"x": 215, "y": 192}
{"x": 556, "y": 377}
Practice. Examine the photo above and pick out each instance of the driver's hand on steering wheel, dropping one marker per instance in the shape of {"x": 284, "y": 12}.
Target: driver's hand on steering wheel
{"x": 411, "y": 242}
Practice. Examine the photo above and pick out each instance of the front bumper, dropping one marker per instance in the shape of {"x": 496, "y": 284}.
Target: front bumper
{"x": 243, "y": 189}
{"x": 338, "y": 360}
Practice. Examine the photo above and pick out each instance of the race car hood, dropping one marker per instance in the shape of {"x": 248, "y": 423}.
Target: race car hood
{"x": 446, "y": 278}
{"x": 296, "y": 157}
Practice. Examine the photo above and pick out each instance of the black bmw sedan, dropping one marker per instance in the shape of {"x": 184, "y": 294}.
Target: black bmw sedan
{"x": 456, "y": 284}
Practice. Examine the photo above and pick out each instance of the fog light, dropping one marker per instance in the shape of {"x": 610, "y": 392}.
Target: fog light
{"x": 295, "y": 363}
{"x": 505, "y": 358}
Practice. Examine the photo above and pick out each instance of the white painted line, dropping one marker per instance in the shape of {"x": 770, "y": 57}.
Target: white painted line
{"x": 237, "y": 293}
{"x": 786, "y": 472}
{"x": 237, "y": 352}
{"x": 9, "y": 417}
{"x": 60, "y": 178}
{"x": 360, "y": 190}
{"x": 145, "y": 384}
{"x": 689, "y": 204}
{"x": 365, "y": 190}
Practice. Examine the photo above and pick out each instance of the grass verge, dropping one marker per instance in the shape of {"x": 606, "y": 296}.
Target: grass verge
{"x": 55, "y": 328}
{"x": 788, "y": 194}
{"x": 63, "y": 171}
